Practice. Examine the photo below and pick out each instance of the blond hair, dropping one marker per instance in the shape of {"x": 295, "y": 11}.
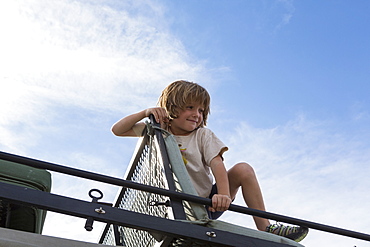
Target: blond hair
{"x": 178, "y": 94}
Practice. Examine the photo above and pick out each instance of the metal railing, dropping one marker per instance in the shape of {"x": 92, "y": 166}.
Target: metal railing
{"x": 157, "y": 222}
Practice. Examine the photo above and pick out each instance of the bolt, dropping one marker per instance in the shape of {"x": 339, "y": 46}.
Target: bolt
{"x": 211, "y": 234}
{"x": 100, "y": 210}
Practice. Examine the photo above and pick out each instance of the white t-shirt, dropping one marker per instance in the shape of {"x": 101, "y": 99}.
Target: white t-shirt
{"x": 198, "y": 149}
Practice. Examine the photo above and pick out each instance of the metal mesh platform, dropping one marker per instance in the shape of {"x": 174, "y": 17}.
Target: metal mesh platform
{"x": 146, "y": 168}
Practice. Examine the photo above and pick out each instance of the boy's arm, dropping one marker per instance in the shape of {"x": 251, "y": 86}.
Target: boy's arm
{"x": 124, "y": 126}
{"x": 222, "y": 200}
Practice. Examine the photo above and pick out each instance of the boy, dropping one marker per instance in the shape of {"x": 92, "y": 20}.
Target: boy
{"x": 183, "y": 110}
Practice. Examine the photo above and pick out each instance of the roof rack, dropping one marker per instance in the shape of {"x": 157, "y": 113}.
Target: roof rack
{"x": 152, "y": 208}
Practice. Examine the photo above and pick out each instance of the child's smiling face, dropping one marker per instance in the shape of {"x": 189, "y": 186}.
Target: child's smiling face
{"x": 176, "y": 96}
{"x": 188, "y": 119}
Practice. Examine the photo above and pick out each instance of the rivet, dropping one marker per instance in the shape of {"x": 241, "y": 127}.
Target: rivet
{"x": 100, "y": 210}
{"x": 211, "y": 234}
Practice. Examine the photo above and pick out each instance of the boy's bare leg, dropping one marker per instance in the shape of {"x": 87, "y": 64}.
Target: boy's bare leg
{"x": 242, "y": 175}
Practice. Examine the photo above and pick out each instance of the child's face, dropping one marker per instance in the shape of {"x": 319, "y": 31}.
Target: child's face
{"x": 188, "y": 119}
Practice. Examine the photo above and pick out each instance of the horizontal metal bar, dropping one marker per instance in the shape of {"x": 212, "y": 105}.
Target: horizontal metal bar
{"x": 177, "y": 195}
{"x": 111, "y": 215}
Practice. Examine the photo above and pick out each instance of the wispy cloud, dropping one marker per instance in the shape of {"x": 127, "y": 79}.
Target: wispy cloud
{"x": 272, "y": 16}
{"x": 287, "y": 14}
{"x": 85, "y": 55}
{"x": 307, "y": 170}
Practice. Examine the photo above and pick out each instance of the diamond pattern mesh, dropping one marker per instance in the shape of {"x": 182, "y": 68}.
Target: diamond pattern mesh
{"x": 147, "y": 170}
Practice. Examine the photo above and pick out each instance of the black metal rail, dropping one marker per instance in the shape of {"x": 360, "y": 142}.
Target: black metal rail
{"x": 111, "y": 215}
{"x": 176, "y": 195}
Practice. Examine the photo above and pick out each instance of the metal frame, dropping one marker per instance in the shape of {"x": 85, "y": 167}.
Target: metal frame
{"x": 172, "y": 194}
{"x": 119, "y": 217}
{"x": 112, "y": 215}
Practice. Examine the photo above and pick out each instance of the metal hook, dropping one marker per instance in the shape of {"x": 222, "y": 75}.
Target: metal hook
{"x": 95, "y": 198}
{"x": 90, "y": 220}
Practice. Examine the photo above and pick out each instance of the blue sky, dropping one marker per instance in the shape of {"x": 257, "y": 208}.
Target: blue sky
{"x": 289, "y": 82}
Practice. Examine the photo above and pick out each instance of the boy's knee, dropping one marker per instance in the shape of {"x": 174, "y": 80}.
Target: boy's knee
{"x": 244, "y": 169}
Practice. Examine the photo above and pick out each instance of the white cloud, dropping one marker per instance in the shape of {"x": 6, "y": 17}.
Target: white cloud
{"x": 272, "y": 16}
{"x": 289, "y": 10}
{"x": 308, "y": 170}
{"x": 87, "y": 55}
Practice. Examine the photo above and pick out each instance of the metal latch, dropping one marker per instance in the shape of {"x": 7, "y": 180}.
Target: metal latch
{"x": 99, "y": 209}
